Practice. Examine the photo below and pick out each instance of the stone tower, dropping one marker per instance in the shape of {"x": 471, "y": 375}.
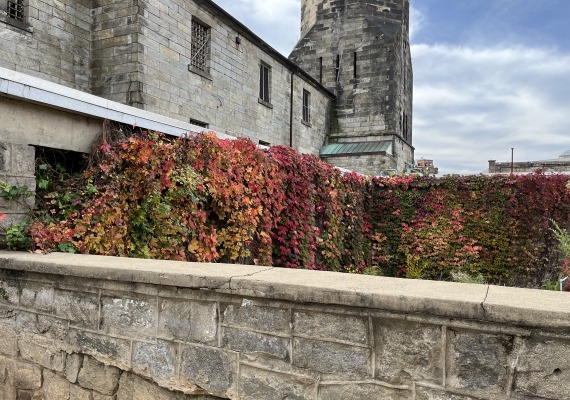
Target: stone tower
{"x": 360, "y": 50}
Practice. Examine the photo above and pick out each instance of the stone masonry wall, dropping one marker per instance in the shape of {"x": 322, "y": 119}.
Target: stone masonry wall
{"x": 90, "y": 327}
{"x": 53, "y": 45}
{"x": 16, "y": 169}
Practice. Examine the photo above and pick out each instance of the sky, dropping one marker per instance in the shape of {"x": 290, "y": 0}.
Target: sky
{"x": 489, "y": 75}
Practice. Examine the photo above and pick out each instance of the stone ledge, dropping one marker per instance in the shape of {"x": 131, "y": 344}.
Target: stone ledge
{"x": 520, "y": 307}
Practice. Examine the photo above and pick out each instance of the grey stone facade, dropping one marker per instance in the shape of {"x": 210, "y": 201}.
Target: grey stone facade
{"x": 97, "y": 327}
{"x": 556, "y": 165}
{"x": 360, "y": 50}
{"x": 139, "y": 53}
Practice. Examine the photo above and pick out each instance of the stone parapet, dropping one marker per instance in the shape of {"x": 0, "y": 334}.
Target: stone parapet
{"x": 106, "y": 326}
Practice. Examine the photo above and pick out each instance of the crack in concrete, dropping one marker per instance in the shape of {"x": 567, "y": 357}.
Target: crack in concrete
{"x": 484, "y": 300}
{"x": 247, "y": 275}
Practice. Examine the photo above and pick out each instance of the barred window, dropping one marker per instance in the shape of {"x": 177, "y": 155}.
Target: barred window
{"x": 200, "y": 46}
{"x": 15, "y": 10}
{"x": 306, "y": 106}
{"x": 264, "y": 76}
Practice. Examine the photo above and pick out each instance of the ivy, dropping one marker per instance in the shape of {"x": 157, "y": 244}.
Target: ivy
{"x": 201, "y": 198}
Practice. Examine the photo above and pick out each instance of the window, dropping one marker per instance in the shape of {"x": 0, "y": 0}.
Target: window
{"x": 264, "y": 84}
{"x": 15, "y": 10}
{"x": 200, "y": 46}
{"x": 199, "y": 123}
{"x": 306, "y": 106}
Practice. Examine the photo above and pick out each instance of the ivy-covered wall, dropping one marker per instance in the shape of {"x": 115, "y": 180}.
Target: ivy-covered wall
{"x": 206, "y": 199}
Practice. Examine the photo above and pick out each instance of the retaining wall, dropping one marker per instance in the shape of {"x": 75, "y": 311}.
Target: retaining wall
{"x": 91, "y": 327}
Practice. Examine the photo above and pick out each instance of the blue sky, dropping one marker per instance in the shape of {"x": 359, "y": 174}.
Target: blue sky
{"x": 488, "y": 75}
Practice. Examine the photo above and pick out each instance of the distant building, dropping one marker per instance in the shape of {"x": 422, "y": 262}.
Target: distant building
{"x": 557, "y": 165}
{"x": 427, "y": 167}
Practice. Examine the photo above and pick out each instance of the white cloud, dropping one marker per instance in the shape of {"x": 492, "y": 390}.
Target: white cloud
{"x": 474, "y": 104}
{"x": 417, "y": 20}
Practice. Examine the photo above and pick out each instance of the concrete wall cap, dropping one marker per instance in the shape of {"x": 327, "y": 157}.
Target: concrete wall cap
{"x": 521, "y": 307}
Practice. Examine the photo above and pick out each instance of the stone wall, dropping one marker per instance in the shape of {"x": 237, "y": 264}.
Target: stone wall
{"x": 16, "y": 169}
{"x": 53, "y": 44}
{"x": 92, "y": 327}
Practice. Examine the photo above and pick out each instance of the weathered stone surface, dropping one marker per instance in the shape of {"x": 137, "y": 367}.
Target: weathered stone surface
{"x": 133, "y": 387}
{"x": 543, "y": 369}
{"x": 408, "y": 351}
{"x": 26, "y": 376}
{"x": 254, "y": 342}
{"x": 258, "y": 384}
{"x": 423, "y": 393}
{"x": 8, "y": 341}
{"x": 36, "y": 295}
{"x": 348, "y": 391}
{"x": 78, "y": 393}
{"x": 157, "y": 361}
{"x": 329, "y": 326}
{"x": 188, "y": 321}
{"x": 42, "y": 352}
{"x": 73, "y": 363}
{"x": 48, "y": 327}
{"x": 266, "y": 319}
{"x": 134, "y": 317}
{"x": 80, "y": 308}
{"x": 211, "y": 369}
{"x": 119, "y": 350}
{"x": 55, "y": 387}
{"x": 99, "y": 377}
{"x": 478, "y": 361}
{"x": 9, "y": 292}
{"x": 330, "y": 358}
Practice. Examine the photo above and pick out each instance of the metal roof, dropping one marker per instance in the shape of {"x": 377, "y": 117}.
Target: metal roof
{"x": 339, "y": 149}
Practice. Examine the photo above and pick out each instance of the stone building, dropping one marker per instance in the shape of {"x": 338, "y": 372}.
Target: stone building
{"x": 360, "y": 50}
{"x": 556, "y": 165}
{"x": 191, "y": 61}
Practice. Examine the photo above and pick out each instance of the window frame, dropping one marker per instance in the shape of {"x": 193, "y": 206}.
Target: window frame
{"x": 200, "y": 50}
{"x": 306, "y": 110}
{"x": 10, "y": 19}
{"x": 265, "y": 84}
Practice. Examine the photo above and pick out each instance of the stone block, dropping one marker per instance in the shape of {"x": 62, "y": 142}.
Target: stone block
{"x": 211, "y": 369}
{"x": 118, "y": 350}
{"x": 9, "y": 292}
{"x": 157, "y": 361}
{"x": 478, "y": 361}
{"x": 543, "y": 369}
{"x": 23, "y": 160}
{"x": 358, "y": 391}
{"x": 37, "y": 296}
{"x": 41, "y": 352}
{"x": 258, "y": 384}
{"x": 254, "y": 342}
{"x": 73, "y": 363}
{"x": 331, "y": 326}
{"x": 80, "y": 308}
{"x": 55, "y": 387}
{"x": 48, "y": 327}
{"x": 78, "y": 393}
{"x": 134, "y": 317}
{"x": 99, "y": 377}
{"x": 408, "y": 350}
{"x": 335, "y": 359}
{"x": 26, "y": 376}
{"x": 188, "y": 321}
{"x": 423, "y": 393}
{"x": 5, "y": 154}
{"x": 266, "y": 319}
{"x": 8, "y": 341}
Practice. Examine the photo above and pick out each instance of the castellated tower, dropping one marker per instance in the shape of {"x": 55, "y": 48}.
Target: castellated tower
{"x": 359, "y": 49}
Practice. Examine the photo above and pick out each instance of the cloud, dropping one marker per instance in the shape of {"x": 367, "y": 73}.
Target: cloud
{"x": 417, "y": 21}
{"x": 474, "y": 104}
{"x": 275, "y": 21}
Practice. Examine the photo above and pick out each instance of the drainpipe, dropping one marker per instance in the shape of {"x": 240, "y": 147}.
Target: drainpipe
{"x": 291, "y": 112}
